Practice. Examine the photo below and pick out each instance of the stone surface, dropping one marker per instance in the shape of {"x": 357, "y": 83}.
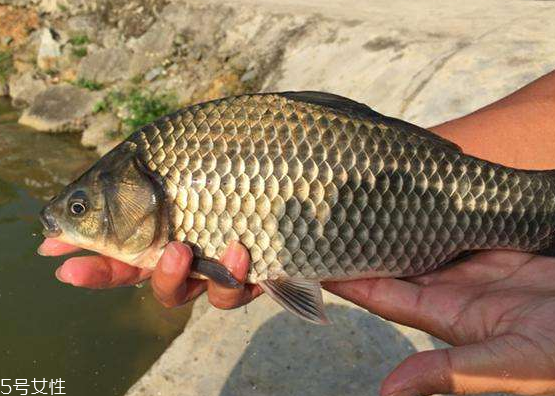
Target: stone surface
{"x": 151, "y": 49}
{"x": 262, "y": 350}
{"x": 16, "y": 24}
{"x": 105, "y": 65}
{"x": 60, "y": 108}
{"x": 49, "y": 50}
{"x": 101, "y": 131}
{"x": 82, "y": 24}
{"x": 24, "y": 88}
{"x": 425, "y": 62}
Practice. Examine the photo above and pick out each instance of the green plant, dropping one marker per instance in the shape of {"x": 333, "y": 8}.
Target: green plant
{"x": 145, "y": 108}
{"x": 100, "y": 106}
{"x": 6, "y": 66}
{"x": 136, "y": 108}
{"x": 89, "y": 84}
{"x": 79, "y": 52}
{"x": 137, "y": 79}
{"x": 80, "y": 39}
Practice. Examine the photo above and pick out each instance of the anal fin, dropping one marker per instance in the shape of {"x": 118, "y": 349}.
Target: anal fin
{"x": 301, "y": 297}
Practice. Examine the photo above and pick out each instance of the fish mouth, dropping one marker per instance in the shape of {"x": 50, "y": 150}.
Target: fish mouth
{"x": 51, "y": 228}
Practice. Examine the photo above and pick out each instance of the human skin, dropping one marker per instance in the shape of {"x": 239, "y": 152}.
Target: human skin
{"x": 495, "y": 308}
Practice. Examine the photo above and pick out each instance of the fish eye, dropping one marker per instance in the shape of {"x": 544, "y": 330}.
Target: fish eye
{"x": 78, "y": 208}
{"x": 78, "y": 204}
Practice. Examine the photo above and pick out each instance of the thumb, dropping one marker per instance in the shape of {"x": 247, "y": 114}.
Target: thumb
{"x": 508, "y": 363}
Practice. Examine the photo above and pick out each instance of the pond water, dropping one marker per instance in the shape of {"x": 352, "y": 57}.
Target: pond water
{"x": 98, "y": 341}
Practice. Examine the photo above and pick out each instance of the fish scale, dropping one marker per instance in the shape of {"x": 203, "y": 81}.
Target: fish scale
{"x": 322, "y": 191}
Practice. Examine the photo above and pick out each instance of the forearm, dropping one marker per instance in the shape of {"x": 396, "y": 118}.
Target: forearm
{"x": 518, "y": 130}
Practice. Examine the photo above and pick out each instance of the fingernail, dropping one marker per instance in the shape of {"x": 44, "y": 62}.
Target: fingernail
{"x": 172, "y": 262}
{"x": 62, "y": 276}
{"x": 233, "y": 253}
{"x": 39, "y": 250}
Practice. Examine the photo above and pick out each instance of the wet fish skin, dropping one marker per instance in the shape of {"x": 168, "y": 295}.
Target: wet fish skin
{"x": 316, "y": 186}
{"x": 320, "y": 187}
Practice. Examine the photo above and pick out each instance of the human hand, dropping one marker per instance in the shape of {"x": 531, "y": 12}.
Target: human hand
{"x": 169, "y": 279}
{"x": 496, "y": 308}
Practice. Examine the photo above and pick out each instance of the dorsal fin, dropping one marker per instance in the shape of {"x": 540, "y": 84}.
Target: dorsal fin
{"x": 332, "y": 101}
{"x": 349, "y": 106}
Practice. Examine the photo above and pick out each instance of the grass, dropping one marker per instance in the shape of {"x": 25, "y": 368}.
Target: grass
{"x": 137, "y": 79}
{"x": 80, "y": 39}
{"x": 146, "y": 108}
{"x": 89, "y": 84}
{"x": 79, "y": 52}
{"x": 138, "y": 108}
{"x": 6, "y": 66}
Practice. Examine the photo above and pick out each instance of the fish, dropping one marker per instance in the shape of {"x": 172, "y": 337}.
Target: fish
{"x": 318, "y": 187}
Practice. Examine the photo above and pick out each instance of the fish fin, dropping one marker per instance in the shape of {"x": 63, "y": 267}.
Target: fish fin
{"x": 301, "y": 297}
{"x": 350, "y": 106}
{"x": 215, "y": 271}
{"x": 332, "y": 101}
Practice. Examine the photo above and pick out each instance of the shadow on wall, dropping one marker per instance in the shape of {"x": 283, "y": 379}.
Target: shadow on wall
{"x": 287, "y": 356}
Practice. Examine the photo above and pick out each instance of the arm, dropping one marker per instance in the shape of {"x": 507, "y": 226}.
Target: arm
{"x": 517, "y": 131}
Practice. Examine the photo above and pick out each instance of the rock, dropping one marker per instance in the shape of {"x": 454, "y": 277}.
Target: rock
{"x": 60, "y": 108}
{"x": 111, "y": 38}
{"x": 82, "y": 25}
{"x": 426, "y": 72}
{"x": 49, "y": 50}
{"x": 16, "y": 24}
{"x": 24, "y": 88}
{"x": 178, "y": 85}
{"x": 64, "y": 6}
{"x": 153, "y": 73}
{"x": 105, "y": 65}
{"x": 248, "y": 76}
{"x": 107, "y": 146}
{"x": 102, "y": 129}
{"x": 151, "y": 49}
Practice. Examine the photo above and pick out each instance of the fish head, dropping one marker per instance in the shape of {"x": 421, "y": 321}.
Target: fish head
{"x": 115, "y": 208}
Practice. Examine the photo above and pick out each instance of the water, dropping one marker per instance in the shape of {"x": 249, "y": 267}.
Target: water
{"x": 98, "y": 341}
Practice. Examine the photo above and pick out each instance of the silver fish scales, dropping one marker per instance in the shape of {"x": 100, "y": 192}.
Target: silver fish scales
{"x": 320, "y": 187}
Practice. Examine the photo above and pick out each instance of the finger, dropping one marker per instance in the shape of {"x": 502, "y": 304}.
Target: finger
{"x": 495, "y": 365}
{"x": 396, "y": 300}
{"x": 236, "y": 259}
{"x": 98, "y": 272}
{"x": 169, "y": 279}
{"x": 53, "y": 247}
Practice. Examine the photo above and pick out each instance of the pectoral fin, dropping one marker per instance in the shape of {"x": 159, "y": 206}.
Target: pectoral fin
{"x": 214, "y": 271}
{"x": 301, "y": 297}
